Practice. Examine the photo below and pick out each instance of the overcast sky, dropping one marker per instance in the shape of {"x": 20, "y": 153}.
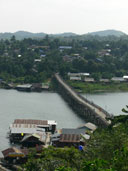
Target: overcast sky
{"x": 57, "y": 16}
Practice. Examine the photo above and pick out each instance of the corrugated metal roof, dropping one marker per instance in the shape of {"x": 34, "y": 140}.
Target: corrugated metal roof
{"x": 73, "y": 131}
{"x": 22, "y": 126}
{"x": 88, "y": 125}
{"x": 16, "y": 152}
{"x": 29, "y": 126}
{"x": 40, "y": 136}
{"x": 12, "y": 151}
{"x": 73, "y": 138}
{"x": 25, "y": 128}
{"x": 30, "y": 121}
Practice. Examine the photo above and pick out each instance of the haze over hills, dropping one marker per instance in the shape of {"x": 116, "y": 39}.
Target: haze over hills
{"x": 24, "y": 34}
{"x": 107, "y": 33}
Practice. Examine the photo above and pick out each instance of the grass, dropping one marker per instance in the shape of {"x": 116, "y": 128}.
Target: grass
{"x": 95, "y": 87}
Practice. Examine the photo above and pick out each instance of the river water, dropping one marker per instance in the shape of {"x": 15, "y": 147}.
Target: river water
{"x": 49, "y": 106}
{"x": 43, "y": 106}
{"x": 112, "y": 102}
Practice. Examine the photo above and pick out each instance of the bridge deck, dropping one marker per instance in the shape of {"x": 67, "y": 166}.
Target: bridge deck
{"x": 99, "y": 111}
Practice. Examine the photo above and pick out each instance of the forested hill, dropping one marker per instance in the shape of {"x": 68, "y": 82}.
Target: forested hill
{"x": 24, "y": 34}
{"x": 108, "y": 33}
{"x": 21, "y": 35}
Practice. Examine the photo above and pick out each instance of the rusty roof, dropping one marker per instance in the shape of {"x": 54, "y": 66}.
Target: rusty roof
{"x": 13, "y": 150}
{"x": 29, "y": 126}
{"x": 70, "y": 138}
{"x": 23, "y": 126}
{"x": 30, "y": 121}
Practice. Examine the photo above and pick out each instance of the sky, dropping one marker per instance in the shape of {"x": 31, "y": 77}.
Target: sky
{"x": 58, "y": 16}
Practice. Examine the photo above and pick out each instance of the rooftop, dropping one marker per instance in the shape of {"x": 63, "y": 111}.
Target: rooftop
{"x": 65, "y": 47}
{"x": 35, "y": 122}
{"x": 88, "y": 125}
{"x": 13, "y": 152}
{"x": 27, "y": 126}
{"x": 73, "y": 131}
{"x": 117, "y": 79}
{"x": 40, "y": 136}
{"x": 24, "y": 86}
{"x": 70, "y": 138}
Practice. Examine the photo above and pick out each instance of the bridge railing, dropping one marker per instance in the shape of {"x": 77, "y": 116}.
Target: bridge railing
{"x": 87, "y": 101}
{"x": 94, "y": 105}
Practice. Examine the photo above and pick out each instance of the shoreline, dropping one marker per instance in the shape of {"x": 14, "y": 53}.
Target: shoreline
{"x": 81, "y": 87}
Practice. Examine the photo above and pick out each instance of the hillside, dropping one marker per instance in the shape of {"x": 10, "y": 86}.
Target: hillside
{"x": 107, "y": 33}
{"x": 68, "y": 34}
{"x": 24, "y": 34}
{"x": 21, "y": 35}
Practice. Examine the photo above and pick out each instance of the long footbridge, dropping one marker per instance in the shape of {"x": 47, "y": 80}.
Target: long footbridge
{"x": 82, "y": 106}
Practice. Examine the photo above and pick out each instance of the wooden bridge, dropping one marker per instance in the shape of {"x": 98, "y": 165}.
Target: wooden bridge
{"x": 83, "y": 107}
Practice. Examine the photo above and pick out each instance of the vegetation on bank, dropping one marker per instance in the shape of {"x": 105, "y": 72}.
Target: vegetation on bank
{"x": 107, "y": 150}
{"x": 97, "y": 87}
{"x": 83, "y": 87}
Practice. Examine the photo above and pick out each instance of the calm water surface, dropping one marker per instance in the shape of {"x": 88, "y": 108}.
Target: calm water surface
{"x": 47, "y": 105}
{"x": 43, "y": 106}
{"x": 111, "y": 102}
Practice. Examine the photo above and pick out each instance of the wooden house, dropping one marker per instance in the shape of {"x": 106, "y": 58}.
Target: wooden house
{"x": 70, "y": 137}
{"x": 14, "y": 155}
{"x": 33, "y": 140}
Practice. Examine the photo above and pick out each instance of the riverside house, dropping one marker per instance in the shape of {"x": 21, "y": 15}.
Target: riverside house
{"x": 21, "y": 127}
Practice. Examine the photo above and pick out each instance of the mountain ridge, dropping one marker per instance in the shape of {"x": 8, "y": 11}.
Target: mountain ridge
{"x": 107, "y": 33}
{"x": 26, "y": 34}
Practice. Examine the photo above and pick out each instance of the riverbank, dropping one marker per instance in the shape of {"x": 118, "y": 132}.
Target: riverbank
{"x": 98, "y": 87}
{"x": 33, "y": 87}
{"x": 79, "y": 86}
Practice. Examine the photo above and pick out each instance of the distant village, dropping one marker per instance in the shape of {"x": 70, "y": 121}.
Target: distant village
{"x": 85, "y": 77}
{"x": 68, "y": 54}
